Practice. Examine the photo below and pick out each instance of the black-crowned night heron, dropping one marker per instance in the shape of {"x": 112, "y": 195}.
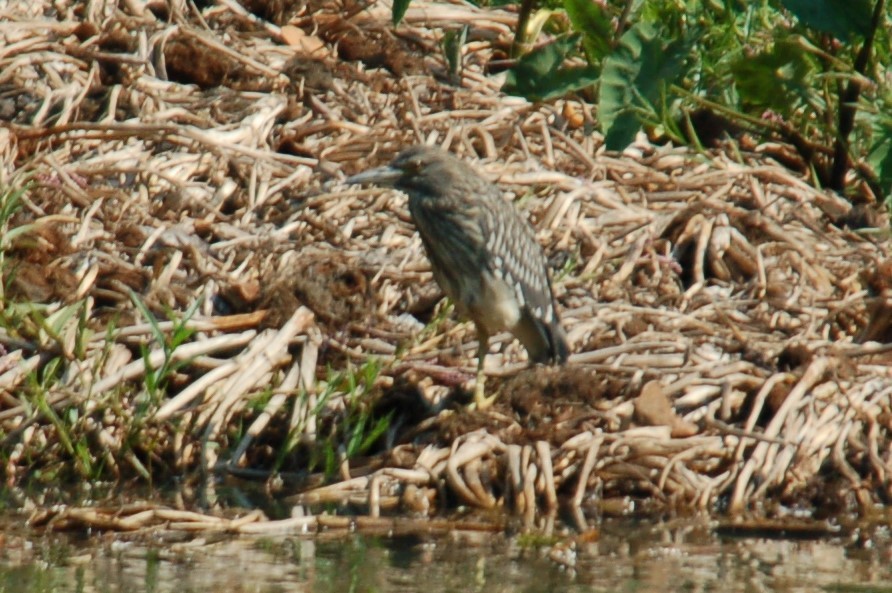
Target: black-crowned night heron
{"x": 483, "y": 253}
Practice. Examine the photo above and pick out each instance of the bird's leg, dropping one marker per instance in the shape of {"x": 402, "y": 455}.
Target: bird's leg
{"x": 481, "y": 402}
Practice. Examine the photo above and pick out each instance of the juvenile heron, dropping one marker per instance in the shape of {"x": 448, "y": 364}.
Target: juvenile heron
{"x": 483, "y": 254}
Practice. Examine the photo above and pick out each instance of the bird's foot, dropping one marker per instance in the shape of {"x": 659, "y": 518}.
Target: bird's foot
{"x": 481, "y": 402}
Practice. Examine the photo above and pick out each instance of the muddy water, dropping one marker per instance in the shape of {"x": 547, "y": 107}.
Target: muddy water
{"x": 625, "y": 557}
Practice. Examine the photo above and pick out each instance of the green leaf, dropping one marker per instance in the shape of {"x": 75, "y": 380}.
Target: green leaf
{"x": 590, "y": 19}
{"x": 356, "y": 435}
{"x": 880, "y": 156}
{"x": 539, "y": 75}
{"x": 57, "y": 321}
{"x": 841, "y": 18}
{"x": 144, "y": 311}
{"x": 778, "y": 78}
{"x": 453, "y": 41}
{"x": 377, "y": 431}
{"x": 11, "y": 201}
{"x": 399, "y": 10}
{"x": 181, "y": 330}
{"x": 634, "y": 77}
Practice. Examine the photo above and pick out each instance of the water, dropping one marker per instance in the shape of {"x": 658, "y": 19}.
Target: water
{"x": 627, "y": 557}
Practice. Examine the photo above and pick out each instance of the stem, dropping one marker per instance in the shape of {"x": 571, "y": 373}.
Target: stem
{"x": 847, "y": 103}
{"x": 523, "y": 20}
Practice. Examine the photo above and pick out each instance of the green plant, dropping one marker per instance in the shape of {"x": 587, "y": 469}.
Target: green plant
{"x": 451, "y": 45}
{"x": 807, "y": 73}
{"x": 10, "y": 203}
{"x": 11, "y": 314}
{"x": 540, "y": 75}
{"x": 52, "y": 327}
{"x": 156, "y": 379}
{"x": 39, "y": 386}
{"x": 357, "y": 428}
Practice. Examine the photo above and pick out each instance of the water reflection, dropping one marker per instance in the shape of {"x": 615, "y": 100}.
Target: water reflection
{"x": 626, "y": 557}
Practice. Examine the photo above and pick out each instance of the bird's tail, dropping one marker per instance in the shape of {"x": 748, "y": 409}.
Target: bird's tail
{"x": 545, "y": 341}
{"x": 560, "y": 350}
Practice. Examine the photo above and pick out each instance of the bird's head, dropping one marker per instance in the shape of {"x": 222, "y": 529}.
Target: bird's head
{"x": 423, "y": 169}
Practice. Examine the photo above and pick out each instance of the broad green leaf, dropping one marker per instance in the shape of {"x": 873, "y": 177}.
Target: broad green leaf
{"x": 539, "y": 75}
{"x": 590, "y": 19}
{"x": 880, "y": 156}
{"x": 399, "y": 11}
{"x": 634, "y": 76}
{"x": 841, "y": 18}
{"x": 778, "y": 78}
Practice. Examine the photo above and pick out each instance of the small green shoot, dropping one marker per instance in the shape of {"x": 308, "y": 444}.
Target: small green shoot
{"x": 156, "y": 379}
{"x": 356, "y": 430}
{"x": 452, "y": 44}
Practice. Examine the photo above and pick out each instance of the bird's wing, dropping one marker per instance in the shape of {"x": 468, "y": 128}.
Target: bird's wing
{"x": 516, "y": 256}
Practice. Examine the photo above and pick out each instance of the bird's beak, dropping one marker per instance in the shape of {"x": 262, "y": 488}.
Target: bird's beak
{"x": 384, "y": 176}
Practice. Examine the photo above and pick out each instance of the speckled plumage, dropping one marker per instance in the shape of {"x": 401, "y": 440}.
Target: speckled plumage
{"x": 476, "y": 241}
{"x": 483, "y": 253}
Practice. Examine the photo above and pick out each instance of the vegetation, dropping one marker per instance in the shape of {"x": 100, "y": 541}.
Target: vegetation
{"x": 90, "y": 431}
{"x": 808, "y": 74}
{"x": 188, "y": 290}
